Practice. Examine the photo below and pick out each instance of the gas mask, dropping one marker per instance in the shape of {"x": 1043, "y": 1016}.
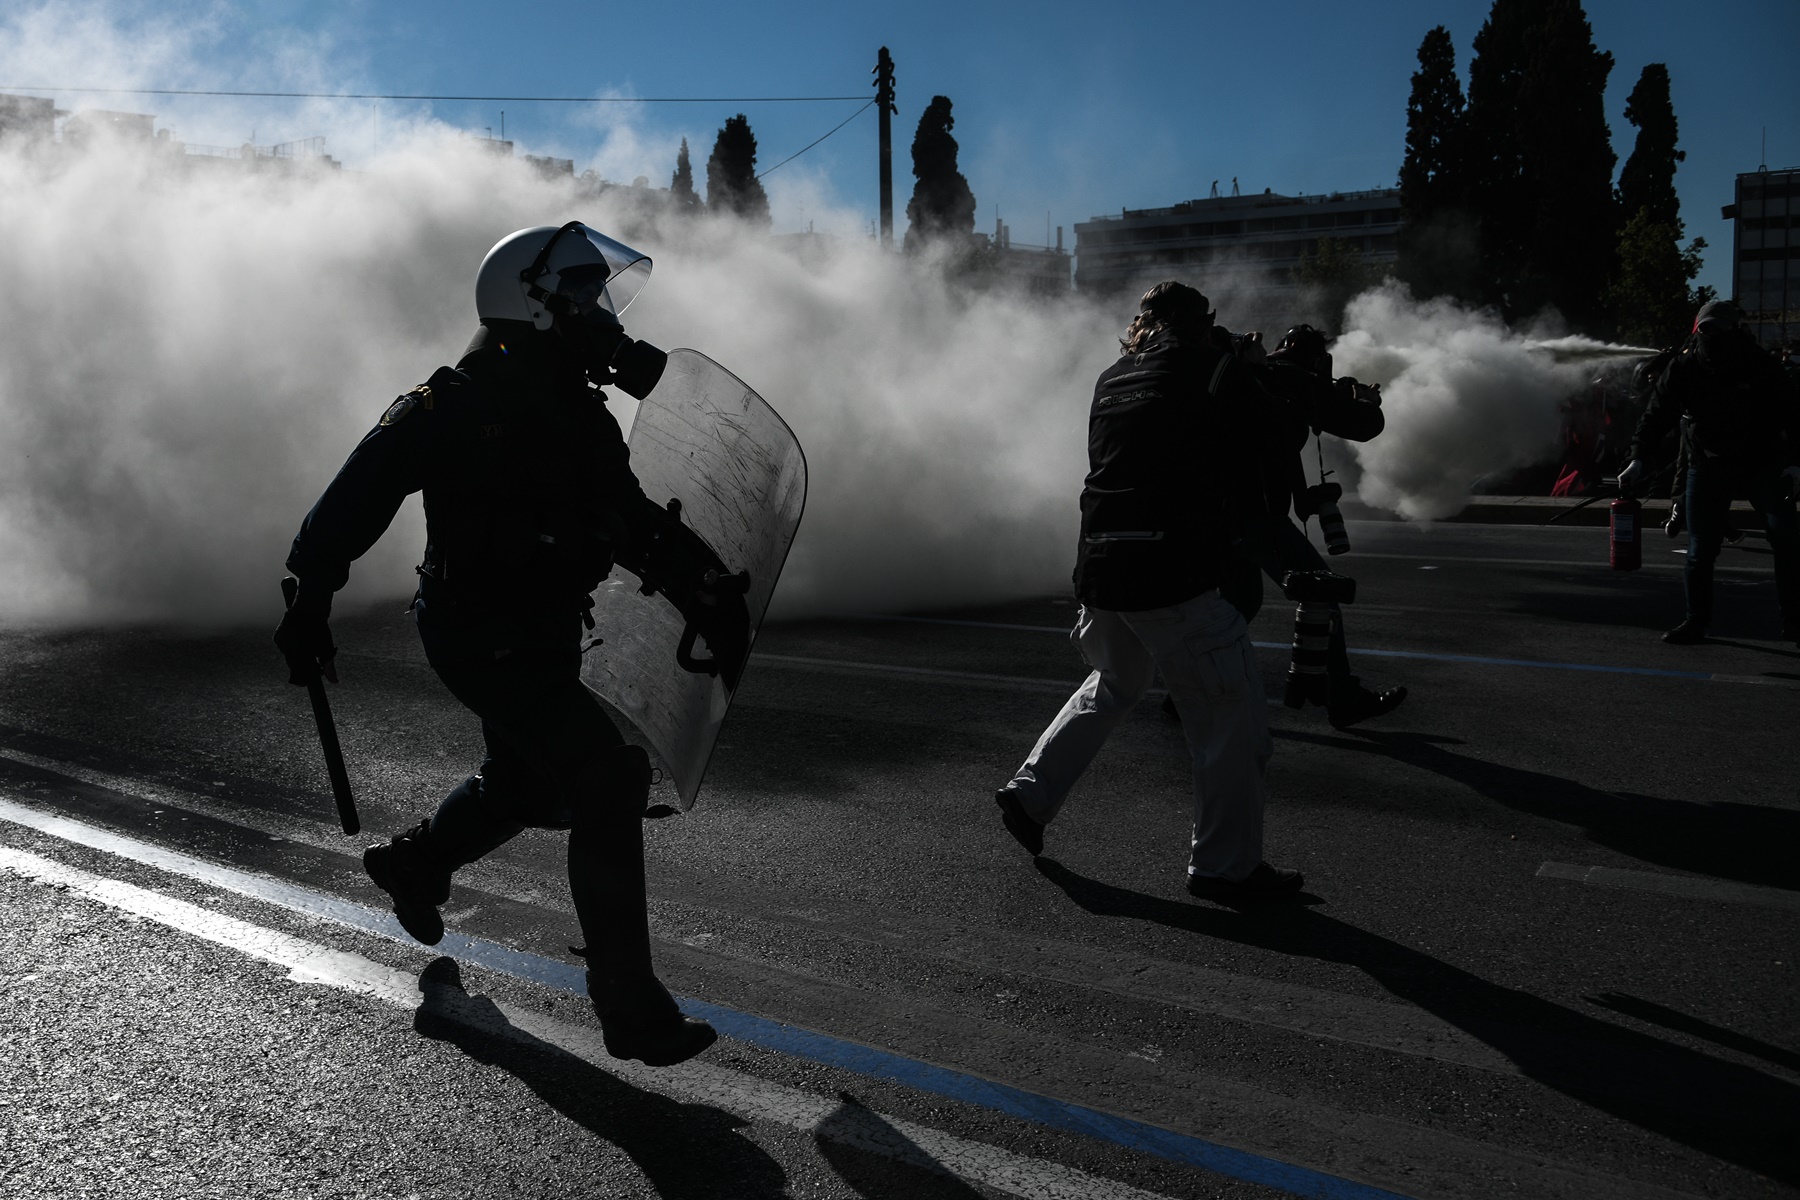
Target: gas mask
{"x": 599, "y": 339}
{"x": 582, "y": 298}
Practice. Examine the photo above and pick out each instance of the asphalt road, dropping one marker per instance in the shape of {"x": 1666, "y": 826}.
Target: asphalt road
{"x": 1547, "y": 948}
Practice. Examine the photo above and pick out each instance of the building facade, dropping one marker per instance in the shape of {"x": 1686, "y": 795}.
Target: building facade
{"x": 1246, "y": 246}
{"x": 1765, "y": 253}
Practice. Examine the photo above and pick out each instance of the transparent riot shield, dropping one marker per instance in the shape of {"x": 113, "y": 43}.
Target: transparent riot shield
{"x": 705, "y": 439}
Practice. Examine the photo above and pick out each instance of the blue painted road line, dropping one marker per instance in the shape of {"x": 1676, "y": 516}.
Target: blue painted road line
{"x": 1042, "y": 1110}
{"x": 745, "y": 1027}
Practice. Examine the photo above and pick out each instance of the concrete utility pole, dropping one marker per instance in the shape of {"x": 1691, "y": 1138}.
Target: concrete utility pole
{"x": 884, "y": 104}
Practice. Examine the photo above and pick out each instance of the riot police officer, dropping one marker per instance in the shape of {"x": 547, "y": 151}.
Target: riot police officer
{"x": 1741, "y": 432}
{"x": 1166, "y": 432}
{"x": 529, "y": 502}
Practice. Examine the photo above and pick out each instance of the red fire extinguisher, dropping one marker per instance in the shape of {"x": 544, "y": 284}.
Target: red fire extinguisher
{"x": 1627, "y": 534}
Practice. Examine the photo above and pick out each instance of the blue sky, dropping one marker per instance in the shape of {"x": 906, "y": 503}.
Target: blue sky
{"x": 1063, "y": 110}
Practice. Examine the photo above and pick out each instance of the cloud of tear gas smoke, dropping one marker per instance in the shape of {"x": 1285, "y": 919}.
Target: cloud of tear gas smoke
{"x": 193, "y": 349}
{"x": 1464, "y": 397}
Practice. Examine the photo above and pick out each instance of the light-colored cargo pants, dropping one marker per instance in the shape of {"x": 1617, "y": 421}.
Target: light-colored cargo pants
{"x": 1202, "y": 648}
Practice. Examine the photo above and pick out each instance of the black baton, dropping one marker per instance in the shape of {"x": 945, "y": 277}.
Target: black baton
{"x": 334, "y": 754}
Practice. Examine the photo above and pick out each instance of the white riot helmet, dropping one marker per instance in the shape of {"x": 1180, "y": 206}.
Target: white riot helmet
{"x": 581, "y": 275}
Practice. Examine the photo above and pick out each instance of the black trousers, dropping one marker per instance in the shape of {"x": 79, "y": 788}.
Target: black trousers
{"x": 548, "y": 763}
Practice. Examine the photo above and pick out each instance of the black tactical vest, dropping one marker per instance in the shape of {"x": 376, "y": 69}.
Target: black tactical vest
{"x": 513, "y": 487}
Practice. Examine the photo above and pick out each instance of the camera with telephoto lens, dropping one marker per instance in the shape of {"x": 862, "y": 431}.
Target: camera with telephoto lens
{"x": 1321, "y": 500}
{"x": 1318, "y": 587}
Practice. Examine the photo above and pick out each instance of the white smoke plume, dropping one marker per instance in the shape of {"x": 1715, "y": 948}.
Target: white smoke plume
{"x": 192, "y": 349}
{"x": 192, "y": 353}
{"x": 1464, "y": 397}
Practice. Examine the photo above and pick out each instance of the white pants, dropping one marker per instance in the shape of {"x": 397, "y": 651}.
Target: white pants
{"x": 1202, "y": 648}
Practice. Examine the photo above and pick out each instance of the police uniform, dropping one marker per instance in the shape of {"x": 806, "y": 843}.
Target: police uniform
{"x": 529, "y": 496}
{"x": 1166, "y": 428}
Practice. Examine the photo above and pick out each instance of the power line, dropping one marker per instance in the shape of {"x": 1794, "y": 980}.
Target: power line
{"x": 802, "y": 150}
{"x": 391, "y": 96}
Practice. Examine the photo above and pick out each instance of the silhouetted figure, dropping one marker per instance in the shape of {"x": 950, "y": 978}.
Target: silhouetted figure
{"x": 529, "y": 502}
{"x": 1170, "y": 436}
{"x": 1741, "y": 432}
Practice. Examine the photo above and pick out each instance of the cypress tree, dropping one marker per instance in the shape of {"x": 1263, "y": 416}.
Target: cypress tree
{"x": 731, "y": 182}
{"x": 1648, "y": 179}
{"x": 942, "y": 204}
{"x": 1495, "y": 153}
{"x": 1567, "y": 170}
{"x": 1437, "y": 243}
{"x": 681, "y": 187}
{"x": 1651, "y": 297}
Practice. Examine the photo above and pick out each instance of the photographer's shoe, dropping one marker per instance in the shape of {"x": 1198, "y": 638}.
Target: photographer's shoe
{"x": 1687, "y": 633}
{"x": 1675, "y": 525}
{"x": 1263, "y": 884}
{"x": 407, "y": 871}
{"x": 1362, "y": 704}
{"x": 642, "y": 1021}
{"x": 1025, "y": 831}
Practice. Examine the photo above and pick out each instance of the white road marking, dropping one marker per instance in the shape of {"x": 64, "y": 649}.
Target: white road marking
{"x": 1027, "y": 683}
{"x": 866, "y": 668}
{"x": 1438, "y": 1156}
{"x": 1686, "y": 886}
{"x": 1598, "y": 566}
{"x": 691, "y": 1082}
{"x": 317, "y": 834}
{"x": 1379, "y": 1024}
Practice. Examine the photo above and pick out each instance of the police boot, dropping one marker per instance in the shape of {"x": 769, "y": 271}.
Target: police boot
{"x": 1307, "y": 679}
{"x": 641, "y": 1020}
{"x": 407, "y": 870}
{"x": 638, "y": 1017}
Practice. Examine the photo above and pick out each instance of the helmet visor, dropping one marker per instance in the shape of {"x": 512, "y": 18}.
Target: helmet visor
{"x": 597, "y": 272}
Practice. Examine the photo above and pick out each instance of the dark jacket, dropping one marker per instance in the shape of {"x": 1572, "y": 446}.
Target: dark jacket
{"x": 1172, "y": 448}
{"x": 1305, "y": 403}
{"x": 526, "y": 479}
{"x": 1734, "y": 398}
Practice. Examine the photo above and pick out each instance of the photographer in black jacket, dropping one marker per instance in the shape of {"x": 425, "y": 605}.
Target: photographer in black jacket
{"x": 1171, "y": 437}
{"x": 1304, "y": 400}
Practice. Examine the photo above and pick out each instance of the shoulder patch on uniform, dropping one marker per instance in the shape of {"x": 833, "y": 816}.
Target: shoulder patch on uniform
{"x": 419, "y": 397}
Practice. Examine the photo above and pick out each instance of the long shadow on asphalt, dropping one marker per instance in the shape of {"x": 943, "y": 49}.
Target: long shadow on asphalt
{"x": 1723, "y": 1109}
{"x": 1749, "y": 843}
{"x": 684, "y": 1149}
{"x": 1669, "y": 1018}
{"x": 899, "y": 1170}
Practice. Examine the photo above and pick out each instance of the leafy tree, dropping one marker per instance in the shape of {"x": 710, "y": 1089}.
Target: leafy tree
{"x": 681, "y": 187}
{"x": 942, "y": 204}
{"x": 731, "y": 182}
{"x": 1437, "y": 241}
{"x": 1567, "y": 169}
{"x": 1334, "y": 273}
{"x": 1651, "y": 297}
